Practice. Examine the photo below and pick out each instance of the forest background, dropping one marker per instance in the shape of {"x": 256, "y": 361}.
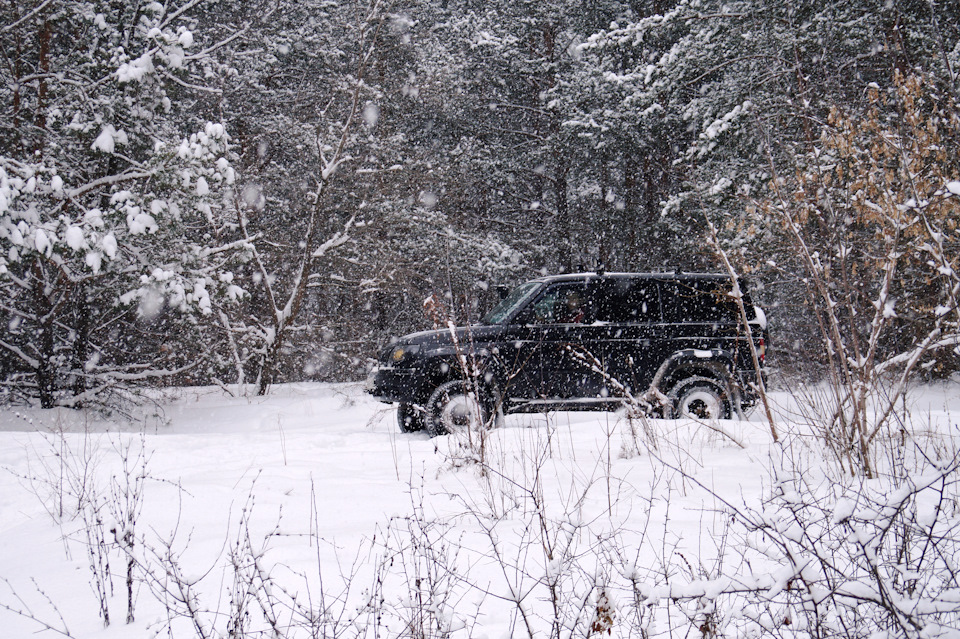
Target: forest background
{"x": 246, "y": 193}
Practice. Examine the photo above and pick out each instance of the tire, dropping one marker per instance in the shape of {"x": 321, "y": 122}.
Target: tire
{"x": 454, "y": 406}
{"x": 409, "y": 418}
{"x": 702, "y": 398}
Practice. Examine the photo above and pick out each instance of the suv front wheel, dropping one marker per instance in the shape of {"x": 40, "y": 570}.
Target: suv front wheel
{"x": 457, "y": 404}
{"x": 454, "y": 406}
{"x": 701, "y": 398}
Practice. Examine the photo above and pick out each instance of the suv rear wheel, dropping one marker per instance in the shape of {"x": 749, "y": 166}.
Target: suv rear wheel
{"x": 701, "y": 398}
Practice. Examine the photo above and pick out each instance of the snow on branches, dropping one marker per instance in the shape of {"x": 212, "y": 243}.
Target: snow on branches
{"x": 109, "y": 218}
{"x": 872, "y": 220}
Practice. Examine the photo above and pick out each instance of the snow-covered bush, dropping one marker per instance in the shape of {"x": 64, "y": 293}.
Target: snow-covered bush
{"x": 874, "y": 558}
{"x": 870, "y": 219}
{"x": 115, "y": 212}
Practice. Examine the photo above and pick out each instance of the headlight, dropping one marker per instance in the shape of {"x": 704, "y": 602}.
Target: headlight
{"x": 399, "y": 353}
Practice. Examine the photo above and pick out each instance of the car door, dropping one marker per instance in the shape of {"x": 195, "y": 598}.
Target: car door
{"x": 632, "y": 352}
{"x": 558, "y": 343}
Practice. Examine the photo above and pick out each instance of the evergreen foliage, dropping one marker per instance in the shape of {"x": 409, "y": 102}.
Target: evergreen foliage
{"x": 258, "y": 192}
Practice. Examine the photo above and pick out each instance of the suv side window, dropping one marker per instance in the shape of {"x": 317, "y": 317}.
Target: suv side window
{"x": 698, "y": 301}
{"x": 630, "y": 301}
{"x": 567, "y": 303}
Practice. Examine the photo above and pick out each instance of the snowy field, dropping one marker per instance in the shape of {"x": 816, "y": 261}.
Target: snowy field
{"x": 307, "y": 513}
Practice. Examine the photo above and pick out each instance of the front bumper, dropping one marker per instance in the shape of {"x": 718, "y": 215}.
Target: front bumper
{"x": 389, "y": 384}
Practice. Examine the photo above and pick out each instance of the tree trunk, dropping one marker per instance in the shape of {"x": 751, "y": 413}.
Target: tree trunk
{"x": 81, "y": 343}
{"x": 46, "y": 373}
{"x": 268, "y": 369}
{"x": 44, "y": 64}
{"x": 564, "y": 223}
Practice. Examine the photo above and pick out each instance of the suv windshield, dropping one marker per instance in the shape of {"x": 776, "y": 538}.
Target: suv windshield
{"x": 510, "y": 303}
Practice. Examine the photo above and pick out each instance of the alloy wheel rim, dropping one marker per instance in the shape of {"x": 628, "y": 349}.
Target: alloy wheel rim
{"x": 459, "y": 411}
{"x": 701, "y": 404}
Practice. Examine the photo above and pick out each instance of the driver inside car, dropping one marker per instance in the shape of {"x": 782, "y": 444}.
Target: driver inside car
{"x": 572, "y": 311}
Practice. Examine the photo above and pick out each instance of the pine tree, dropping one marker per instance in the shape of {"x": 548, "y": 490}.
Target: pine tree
{"x": 111, "y": 211}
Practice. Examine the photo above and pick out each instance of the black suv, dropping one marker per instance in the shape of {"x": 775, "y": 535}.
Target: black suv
{"x": 670, "y": 343}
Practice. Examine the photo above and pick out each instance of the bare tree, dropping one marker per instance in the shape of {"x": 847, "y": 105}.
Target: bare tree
{"x": 869, "y": 221}
{"x": 284, "y": 305}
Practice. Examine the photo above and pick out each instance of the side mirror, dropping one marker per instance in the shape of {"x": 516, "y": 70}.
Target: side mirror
{"x": 502, "y": 290}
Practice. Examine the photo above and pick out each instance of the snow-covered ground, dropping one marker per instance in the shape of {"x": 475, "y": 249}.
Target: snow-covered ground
{"x": 284, "y": 501}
